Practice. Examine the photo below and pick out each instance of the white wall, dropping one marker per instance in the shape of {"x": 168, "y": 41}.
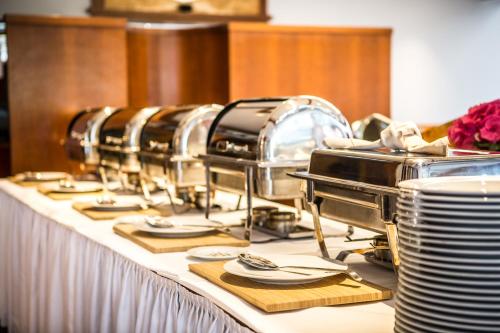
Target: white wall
{"x": 445, "y": 53}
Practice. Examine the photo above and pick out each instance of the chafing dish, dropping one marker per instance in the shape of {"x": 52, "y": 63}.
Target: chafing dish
{"x": 254, "y": 143}
{"x": 360, "y": 188}
{"x": 171, "y": 141}
{"x": 119, "y": 138}
{"x": 82, "y": 139}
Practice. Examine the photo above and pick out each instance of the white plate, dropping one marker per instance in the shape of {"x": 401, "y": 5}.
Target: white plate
{"x": 449, "y": 212}
{"x": 450, "y": 259}
{"x": 122, "y": 203}
{"x": 448, "y": 198}
{"x": 216, "y": 252}
{"x": 80, "y": 187}
{"x": 439, "y": 239}
{"x": 408, "y": 234}
{"x": 484, "y": 314}
{"x": 447, "y": 206}
{"x": 473, "y": 230}
{"x": 467, "y": 264}
{"x": 457, "y": 185}
{"x": 174, "y": 232}
{"x": 425, "y": 221}
{"x": 275, "y": 277}
{"x": 436, "y": 275}
{"x": 413, "y": 323}
{"x": 432, "y": 231}
{"x": 449, "y": 302}
{"x": 484, "y": 253}
{"x": 452, "y": 269}
{"x": 41, "y": 176}
{"x": 452, "y": 295}
{"x": 405, "y": 325}
{"x": 466, "y": 278}
{"x": 459, "y": 318}
{"x": 422, "y": 316}
{"x": 490, "y": 293}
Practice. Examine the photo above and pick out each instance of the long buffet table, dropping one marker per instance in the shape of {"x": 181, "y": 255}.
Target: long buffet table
{"x": 63, "y": 272}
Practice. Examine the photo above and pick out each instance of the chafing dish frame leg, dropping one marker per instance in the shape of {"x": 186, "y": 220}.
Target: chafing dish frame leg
{"x": 392, "y": 239}
{"x": 208, "y": 189}
{"x": 249, "y": 192}
{"x": 297, "y": 202}
{"x": 317, "y": 229}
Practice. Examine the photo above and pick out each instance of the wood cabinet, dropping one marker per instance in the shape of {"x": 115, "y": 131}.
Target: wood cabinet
{"x": 350, "y": 67}
{"x": 177, "y": 65}
{"x": 57, "y": 66}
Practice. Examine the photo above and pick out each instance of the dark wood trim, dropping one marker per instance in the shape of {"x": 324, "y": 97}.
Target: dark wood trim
{"x": 283, "y": 29}
{"x": 97, "y": 8}
{"x": 57, "y": 20}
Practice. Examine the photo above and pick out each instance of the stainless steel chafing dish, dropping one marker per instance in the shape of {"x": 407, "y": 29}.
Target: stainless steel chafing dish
{"x": 119, "y": 144}
{"x": 360, "y": 188}
{"x": 172, "y": 139}
{"x": 82, "y": 138}
{"x": 254, "y": 143}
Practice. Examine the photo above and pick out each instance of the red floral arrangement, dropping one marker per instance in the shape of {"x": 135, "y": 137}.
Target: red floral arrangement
{"x": 479, "y": 128}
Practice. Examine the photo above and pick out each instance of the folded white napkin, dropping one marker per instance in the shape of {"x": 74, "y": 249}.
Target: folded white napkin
{"x": 398, "y": 135}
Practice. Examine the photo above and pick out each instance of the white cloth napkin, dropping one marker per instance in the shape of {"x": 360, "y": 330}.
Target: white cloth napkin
{"x": 398, "y": 135}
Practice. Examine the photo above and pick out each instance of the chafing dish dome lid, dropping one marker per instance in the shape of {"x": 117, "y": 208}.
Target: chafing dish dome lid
{"x": 83, "y": 133}
{"x": 114, "y": 127}
{"x": 275, "y": 129}
{"x": 158, "y": 133}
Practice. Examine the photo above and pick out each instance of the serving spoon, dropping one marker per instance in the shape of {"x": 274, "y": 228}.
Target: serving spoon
{"x": 266, "y": 264}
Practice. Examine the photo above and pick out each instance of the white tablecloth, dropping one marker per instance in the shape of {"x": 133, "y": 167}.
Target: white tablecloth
{"x": 62, "y": 272}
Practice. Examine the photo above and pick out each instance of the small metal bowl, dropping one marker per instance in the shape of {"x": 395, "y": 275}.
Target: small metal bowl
{"x": 283, "y": 222}
{"x": 262, "y": 214}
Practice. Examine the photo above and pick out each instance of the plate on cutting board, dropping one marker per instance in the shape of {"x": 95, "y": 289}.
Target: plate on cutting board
{"x": 279, "y": 277}
{"x": 77, "y": 187}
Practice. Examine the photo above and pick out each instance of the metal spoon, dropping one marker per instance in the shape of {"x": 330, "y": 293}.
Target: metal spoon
{"x": 266, "y": 264}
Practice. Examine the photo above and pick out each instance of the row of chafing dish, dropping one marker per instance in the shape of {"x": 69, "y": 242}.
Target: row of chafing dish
{"x": 270, "y": 148}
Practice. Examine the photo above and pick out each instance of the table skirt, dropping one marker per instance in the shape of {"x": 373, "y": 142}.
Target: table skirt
{"x": 54, "y": 279}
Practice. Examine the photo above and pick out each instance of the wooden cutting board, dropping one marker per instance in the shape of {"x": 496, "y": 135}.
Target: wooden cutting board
{"x": 335, "y": 290}
{"x": 164, "y": 245}
{"x": 110, "y": 215}
{"x": 65, "y": 196}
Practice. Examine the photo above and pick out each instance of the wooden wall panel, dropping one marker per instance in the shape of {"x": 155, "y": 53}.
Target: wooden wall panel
{"x": 57, "y": 66}
{"x": 349, "y": 67}
{"x": 180, "y": 66}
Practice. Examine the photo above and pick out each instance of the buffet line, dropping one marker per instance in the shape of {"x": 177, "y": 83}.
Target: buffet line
{"x": 143, "y": 166}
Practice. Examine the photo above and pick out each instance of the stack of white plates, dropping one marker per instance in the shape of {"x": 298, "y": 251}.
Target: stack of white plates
{"x": 449, "y": 238}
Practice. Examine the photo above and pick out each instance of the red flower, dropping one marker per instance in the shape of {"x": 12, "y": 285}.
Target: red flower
{"x": 480, "y": 125}
{"x": 491, "y": 129}
{"x": 462, "y": 132}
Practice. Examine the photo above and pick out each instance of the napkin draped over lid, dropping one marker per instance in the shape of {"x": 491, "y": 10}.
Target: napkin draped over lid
{"x": 403, "y": 136}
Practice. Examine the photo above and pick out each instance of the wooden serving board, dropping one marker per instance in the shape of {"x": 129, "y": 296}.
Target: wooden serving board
{"x": 335, "y": 290}
{"x": 110, "y": 215}
{"x": 164, "y": 245}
